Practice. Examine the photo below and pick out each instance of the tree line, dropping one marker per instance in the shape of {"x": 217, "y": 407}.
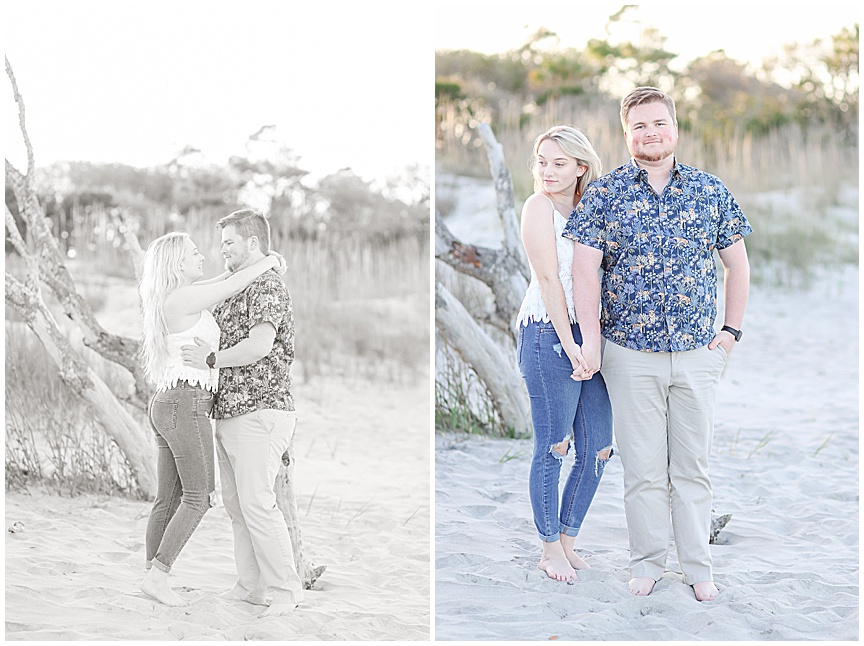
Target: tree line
{"x": 806, "y": 82}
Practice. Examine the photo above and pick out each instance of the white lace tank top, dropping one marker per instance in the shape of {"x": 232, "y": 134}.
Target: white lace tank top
{"x": 532, "y": 305}
{"x": 208, "y": 331}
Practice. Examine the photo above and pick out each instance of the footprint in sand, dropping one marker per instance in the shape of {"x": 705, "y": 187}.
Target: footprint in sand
{"x": 479, "y": 511}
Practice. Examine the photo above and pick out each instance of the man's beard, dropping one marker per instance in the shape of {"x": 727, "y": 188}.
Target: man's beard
{"x": 666, "y": 150}
{"x": 234, "y": 263}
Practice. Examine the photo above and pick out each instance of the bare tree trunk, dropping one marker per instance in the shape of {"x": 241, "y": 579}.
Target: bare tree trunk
{"x": 505, "y": 271}
{"x": 486, "y": 358}
{"x": 287, "y": 502}
{"x": 107, "y": 411}
{"x": 44, "y": 262}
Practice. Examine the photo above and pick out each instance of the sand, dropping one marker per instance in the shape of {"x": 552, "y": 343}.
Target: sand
{"x": 784, "y": 464}
{"x": 74, "y": 564}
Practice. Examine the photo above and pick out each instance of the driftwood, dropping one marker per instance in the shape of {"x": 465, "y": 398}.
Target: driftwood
{"x": 505, "y": 271}
{"x": 287, "y": 502}
{"x": 718, "y": 523}
{"x": 45, "y": 266}
{"x": 485, "y": 357}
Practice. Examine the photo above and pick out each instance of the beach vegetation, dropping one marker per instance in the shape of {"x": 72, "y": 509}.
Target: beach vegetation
{"x": 358, "y": 274}
{"x": 782, "y": 136}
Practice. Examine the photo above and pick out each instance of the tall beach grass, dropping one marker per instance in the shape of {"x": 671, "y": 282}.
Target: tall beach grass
{"x": 798, "y": 185}
{"x": 361, "y": 308}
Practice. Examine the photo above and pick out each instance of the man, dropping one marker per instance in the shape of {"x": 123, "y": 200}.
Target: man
{"x": 255, "y": 416}
{"x": 652, "y": 225}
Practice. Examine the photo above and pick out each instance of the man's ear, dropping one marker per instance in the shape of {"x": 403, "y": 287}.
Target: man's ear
{"x": 253, "y": 243}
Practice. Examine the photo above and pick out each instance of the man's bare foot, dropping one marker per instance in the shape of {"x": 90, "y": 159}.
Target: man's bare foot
{"x": 279, "y": 610}
{"x": 641, "y": 586}
{"x": 575, "y": 561}
{"x": 155, "y": 585}
{"x": 239, "y": 593}
{"x": 555, "y": 563}
{"x": 705, "y": 590}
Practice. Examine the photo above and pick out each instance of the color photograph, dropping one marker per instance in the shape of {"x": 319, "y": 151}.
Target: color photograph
{"x": 646, "y": 322}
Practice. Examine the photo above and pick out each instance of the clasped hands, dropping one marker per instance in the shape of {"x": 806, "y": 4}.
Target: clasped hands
{"x": 585, "y": 361}
{"x": 282, "y": 267}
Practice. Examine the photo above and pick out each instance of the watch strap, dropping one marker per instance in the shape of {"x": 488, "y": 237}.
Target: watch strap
{"x": 731, "y": 330}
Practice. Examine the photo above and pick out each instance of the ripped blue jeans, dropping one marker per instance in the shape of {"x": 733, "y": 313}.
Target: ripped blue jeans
{"x": 562, "y": 409}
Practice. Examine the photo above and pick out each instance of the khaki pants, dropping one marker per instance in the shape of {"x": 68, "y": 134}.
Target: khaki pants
{"x": 249, "y": 448}
{"x": 663, "y": 415}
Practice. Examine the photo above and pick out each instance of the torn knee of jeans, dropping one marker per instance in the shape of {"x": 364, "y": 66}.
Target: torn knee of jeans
{"x": 603, "y": 456}
{"x": 212, "y": 499}
{"x": 560, "y": 450}
{"x": 558, "y": 348}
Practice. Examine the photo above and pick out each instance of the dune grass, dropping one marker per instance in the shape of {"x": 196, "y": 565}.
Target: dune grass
{"x": 361, "y": 311}
{"x": 797, "y": 185}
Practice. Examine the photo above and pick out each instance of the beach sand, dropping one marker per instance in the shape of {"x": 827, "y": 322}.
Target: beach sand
{"x": 74, "y": 564}
{"x": 784, "y": 464}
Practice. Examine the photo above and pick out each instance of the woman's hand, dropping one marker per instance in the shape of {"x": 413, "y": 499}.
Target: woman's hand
{"x": 280, "y": 265}
{"x": 581, "y": 371}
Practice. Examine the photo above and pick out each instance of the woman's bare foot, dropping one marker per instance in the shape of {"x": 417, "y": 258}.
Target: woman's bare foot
{"x": 705, "y": 590}
{"x": 641, "y": 586}
{"x": 575, "y": 561}
{"x": 555, "y": 563}
{"x": 155, "y": 584}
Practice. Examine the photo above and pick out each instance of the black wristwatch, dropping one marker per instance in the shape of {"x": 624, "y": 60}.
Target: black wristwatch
{"x": 732, "y": 331}
{"x": 211, "y": 359}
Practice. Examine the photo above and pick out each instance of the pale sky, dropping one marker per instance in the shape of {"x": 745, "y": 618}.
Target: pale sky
{"x": 134, "y": 82}
{"x": 747, "y": 31}
{"x": 346, "y": 83}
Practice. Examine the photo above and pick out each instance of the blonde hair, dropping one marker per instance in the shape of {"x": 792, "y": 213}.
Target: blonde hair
{"x": 574, "y": 144}
{"x": 642, "y": 95}
{"x": 161, "y": 276}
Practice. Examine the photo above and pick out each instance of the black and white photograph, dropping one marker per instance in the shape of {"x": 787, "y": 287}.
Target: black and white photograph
{"x": 217, "y": 339}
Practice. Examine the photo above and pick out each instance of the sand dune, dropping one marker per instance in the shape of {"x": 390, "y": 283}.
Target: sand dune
{"x": 72, "y": 571}
{"x": 785, "y": 465}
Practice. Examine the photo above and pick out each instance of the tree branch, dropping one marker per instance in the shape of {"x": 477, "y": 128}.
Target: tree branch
{"x": 485, "y": 357}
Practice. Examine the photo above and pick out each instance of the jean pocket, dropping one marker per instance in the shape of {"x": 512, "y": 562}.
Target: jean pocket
{"x": 204, "y": 404}
{"x": 163, "y": 414}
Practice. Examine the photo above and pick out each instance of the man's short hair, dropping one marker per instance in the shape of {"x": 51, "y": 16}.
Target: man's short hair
{"x": 248, "y": 223}
{"x": 642, "y": 95}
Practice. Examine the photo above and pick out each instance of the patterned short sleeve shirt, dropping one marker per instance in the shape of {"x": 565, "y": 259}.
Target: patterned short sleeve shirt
{"x": 265, "y": 384}
{"x": 659, "y": 288}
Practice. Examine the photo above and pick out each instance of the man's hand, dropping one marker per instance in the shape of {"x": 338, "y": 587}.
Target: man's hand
{"x": 196, "y": 355}
{"x": 591, "y": 356}
{"x": 725, "y": 339}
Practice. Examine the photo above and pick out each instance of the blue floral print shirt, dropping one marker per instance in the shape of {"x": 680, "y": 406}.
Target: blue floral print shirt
{"x": 267, "y": 382}
{"x": 659, "y": 287}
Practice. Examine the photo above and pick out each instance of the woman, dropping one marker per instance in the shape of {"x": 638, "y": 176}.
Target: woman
{"x": 175, "y": 312}
{"x": 567, "y": 401}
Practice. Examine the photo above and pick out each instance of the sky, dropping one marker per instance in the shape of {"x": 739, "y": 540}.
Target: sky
{"x": 747, "y": 31}
{"x": 347, "y": 84}
{"x": 135, "y": 82}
